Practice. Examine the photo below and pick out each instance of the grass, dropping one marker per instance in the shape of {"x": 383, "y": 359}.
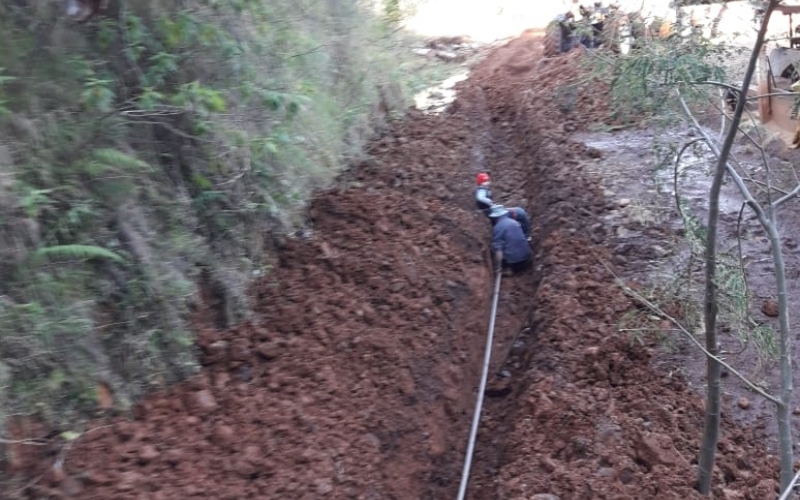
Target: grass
{"x": 645, "y": 328}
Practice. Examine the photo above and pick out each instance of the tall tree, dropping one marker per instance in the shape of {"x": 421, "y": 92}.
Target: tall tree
{"x": 708, "y": 447}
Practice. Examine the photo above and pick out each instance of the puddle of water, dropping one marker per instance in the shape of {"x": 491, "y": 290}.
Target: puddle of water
{"x": 435, "y": 99}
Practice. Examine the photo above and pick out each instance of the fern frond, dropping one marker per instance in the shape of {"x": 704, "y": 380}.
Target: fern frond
{"x": 77, "y": 252}
{"x": 112, "y": 158}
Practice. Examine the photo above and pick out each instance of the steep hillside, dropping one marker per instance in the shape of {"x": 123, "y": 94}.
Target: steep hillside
{"x": 151, "y": 157}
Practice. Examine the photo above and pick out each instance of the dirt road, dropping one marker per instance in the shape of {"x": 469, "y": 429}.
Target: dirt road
{"x": 356, "y": 379}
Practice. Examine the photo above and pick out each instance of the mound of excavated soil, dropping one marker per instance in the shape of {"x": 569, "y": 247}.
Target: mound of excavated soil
{"x": 356, "y": 379}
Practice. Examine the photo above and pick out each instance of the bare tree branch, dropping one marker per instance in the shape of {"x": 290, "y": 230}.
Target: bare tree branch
{"x": 791, "y": 194}
{"x": 660, "y": 312}
{"x": 751, "y": 202}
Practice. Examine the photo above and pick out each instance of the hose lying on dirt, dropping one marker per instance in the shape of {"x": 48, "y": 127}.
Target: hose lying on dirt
{"x": 476, "y": 416}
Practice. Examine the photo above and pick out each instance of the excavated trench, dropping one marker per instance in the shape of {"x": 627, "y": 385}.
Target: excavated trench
{"x": 356, "y": 378}
{"x": 535, "y": 167}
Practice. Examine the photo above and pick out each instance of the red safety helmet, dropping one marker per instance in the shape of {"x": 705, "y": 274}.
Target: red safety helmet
{"x": 481, "y": 178}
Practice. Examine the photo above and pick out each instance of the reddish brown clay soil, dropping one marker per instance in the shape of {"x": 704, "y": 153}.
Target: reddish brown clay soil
{"x": 357, "y": 377}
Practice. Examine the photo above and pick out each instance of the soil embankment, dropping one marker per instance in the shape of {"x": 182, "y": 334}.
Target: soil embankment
{"x": 357, "y": 378}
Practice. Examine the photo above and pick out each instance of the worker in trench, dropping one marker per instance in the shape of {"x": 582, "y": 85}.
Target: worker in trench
{"x": 485, "y": 203}
{"x": 510, "y": 247}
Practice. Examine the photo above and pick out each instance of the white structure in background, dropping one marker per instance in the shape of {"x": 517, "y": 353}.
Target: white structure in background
{"x": 81, "y": 10}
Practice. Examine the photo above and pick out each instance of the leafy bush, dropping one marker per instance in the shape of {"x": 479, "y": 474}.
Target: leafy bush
{"x": 643, "y": 82}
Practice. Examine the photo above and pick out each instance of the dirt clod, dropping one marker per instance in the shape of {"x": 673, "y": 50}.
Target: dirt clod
{"x": 148, "y": 453}
{"x": 770, "y": 308}
{"x": 203, "y": 401}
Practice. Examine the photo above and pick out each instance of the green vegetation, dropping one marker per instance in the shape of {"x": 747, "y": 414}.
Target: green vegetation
{"x": 642, "y": 85}
{"x": 149, "y": 153}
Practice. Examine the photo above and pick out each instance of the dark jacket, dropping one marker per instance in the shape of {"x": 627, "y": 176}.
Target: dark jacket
{"x": 507, "y": 236}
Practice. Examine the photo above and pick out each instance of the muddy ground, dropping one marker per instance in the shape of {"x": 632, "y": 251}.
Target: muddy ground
{"x": 650, "y": 206}
{"x": 357, "y": 378}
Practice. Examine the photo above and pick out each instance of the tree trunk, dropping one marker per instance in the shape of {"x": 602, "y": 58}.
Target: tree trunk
{"x": 708, "y": 446}
{"x": 784, "y": 409}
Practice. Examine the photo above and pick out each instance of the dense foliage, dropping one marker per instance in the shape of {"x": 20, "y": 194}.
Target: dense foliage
{"x": 146, "y": 156}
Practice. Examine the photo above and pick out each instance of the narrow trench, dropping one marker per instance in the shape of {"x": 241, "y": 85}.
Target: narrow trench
{"x": 512, "y": 354}
{"x": 516, "y": 329}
